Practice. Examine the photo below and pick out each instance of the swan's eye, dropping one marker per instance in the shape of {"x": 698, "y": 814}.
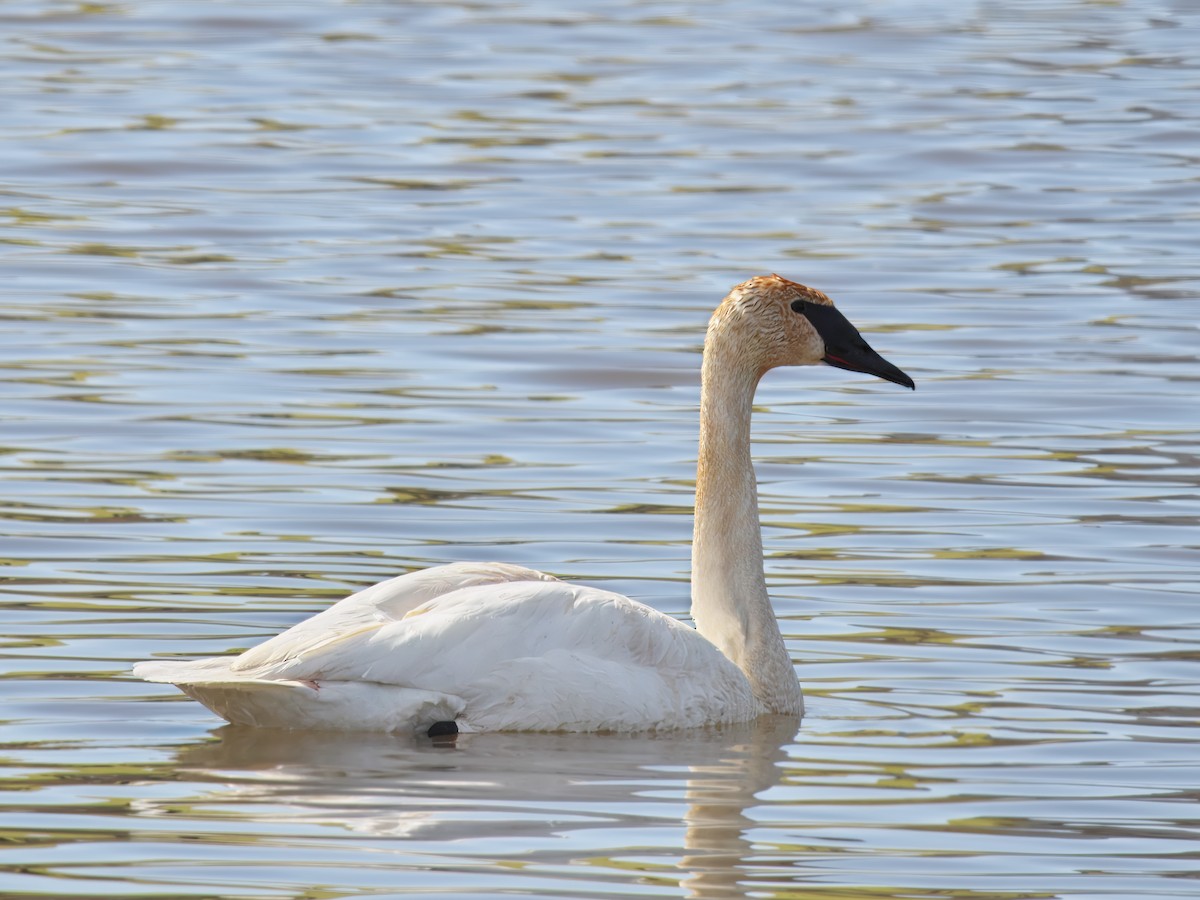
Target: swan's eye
{"x": 798, "y": 306}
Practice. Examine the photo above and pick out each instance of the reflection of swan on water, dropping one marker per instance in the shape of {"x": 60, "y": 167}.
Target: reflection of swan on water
{"x": 492, "y": 647}
{"x": 543, "y": 800}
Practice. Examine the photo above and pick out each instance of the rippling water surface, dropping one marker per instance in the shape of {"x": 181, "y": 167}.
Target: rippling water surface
{"x": 300, "y": 296}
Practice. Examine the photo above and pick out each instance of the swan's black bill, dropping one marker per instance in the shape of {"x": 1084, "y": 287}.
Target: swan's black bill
{"x": 845, "y": 347}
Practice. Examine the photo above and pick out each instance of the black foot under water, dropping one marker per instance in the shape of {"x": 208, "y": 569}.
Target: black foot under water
{"x": 441, "y": 729}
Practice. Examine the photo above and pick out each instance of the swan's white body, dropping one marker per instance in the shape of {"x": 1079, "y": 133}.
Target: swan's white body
{"x": 496, "y": 647}
{"x": 491, "y": 646}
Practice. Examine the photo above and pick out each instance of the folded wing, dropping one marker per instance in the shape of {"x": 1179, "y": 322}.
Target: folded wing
{"x": 494, "y": 647}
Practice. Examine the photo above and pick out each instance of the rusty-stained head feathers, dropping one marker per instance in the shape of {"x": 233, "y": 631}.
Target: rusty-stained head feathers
{"x": 770, "y": 321}
{"x": 756, "y": 321}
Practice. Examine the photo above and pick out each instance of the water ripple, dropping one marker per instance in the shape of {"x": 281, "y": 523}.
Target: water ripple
{"x": 299, "y": 301}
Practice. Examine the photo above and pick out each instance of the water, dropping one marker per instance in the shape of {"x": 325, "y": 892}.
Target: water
{"x": 299, "y": 296}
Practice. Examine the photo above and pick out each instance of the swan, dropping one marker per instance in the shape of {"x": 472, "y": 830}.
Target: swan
{"x": 497, "y": 647}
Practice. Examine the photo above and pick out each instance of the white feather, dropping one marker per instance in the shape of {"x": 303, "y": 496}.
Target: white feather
{"x": 496, "y": 647}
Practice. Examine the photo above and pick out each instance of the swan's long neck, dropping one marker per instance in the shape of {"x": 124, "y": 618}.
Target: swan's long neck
{"x": 729, "y": 592}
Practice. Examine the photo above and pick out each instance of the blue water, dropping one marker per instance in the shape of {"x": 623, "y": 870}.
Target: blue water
{"x": 301, "y": 296}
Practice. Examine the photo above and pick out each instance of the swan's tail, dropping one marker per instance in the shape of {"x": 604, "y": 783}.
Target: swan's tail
{"x": 325, "y": 706}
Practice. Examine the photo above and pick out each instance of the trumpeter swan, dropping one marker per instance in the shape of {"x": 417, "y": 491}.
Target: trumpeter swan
{"x": 494, "y": 647}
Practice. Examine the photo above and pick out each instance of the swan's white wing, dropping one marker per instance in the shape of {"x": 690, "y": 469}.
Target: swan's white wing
{"x": 230, "y": 686}
{"x": 371, "y": 607}
{"x": 536, "y": 655}
{"x": 495, "y": 647}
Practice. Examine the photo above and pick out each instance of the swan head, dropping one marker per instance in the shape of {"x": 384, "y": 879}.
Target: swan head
{"x": 769, "y": 321}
